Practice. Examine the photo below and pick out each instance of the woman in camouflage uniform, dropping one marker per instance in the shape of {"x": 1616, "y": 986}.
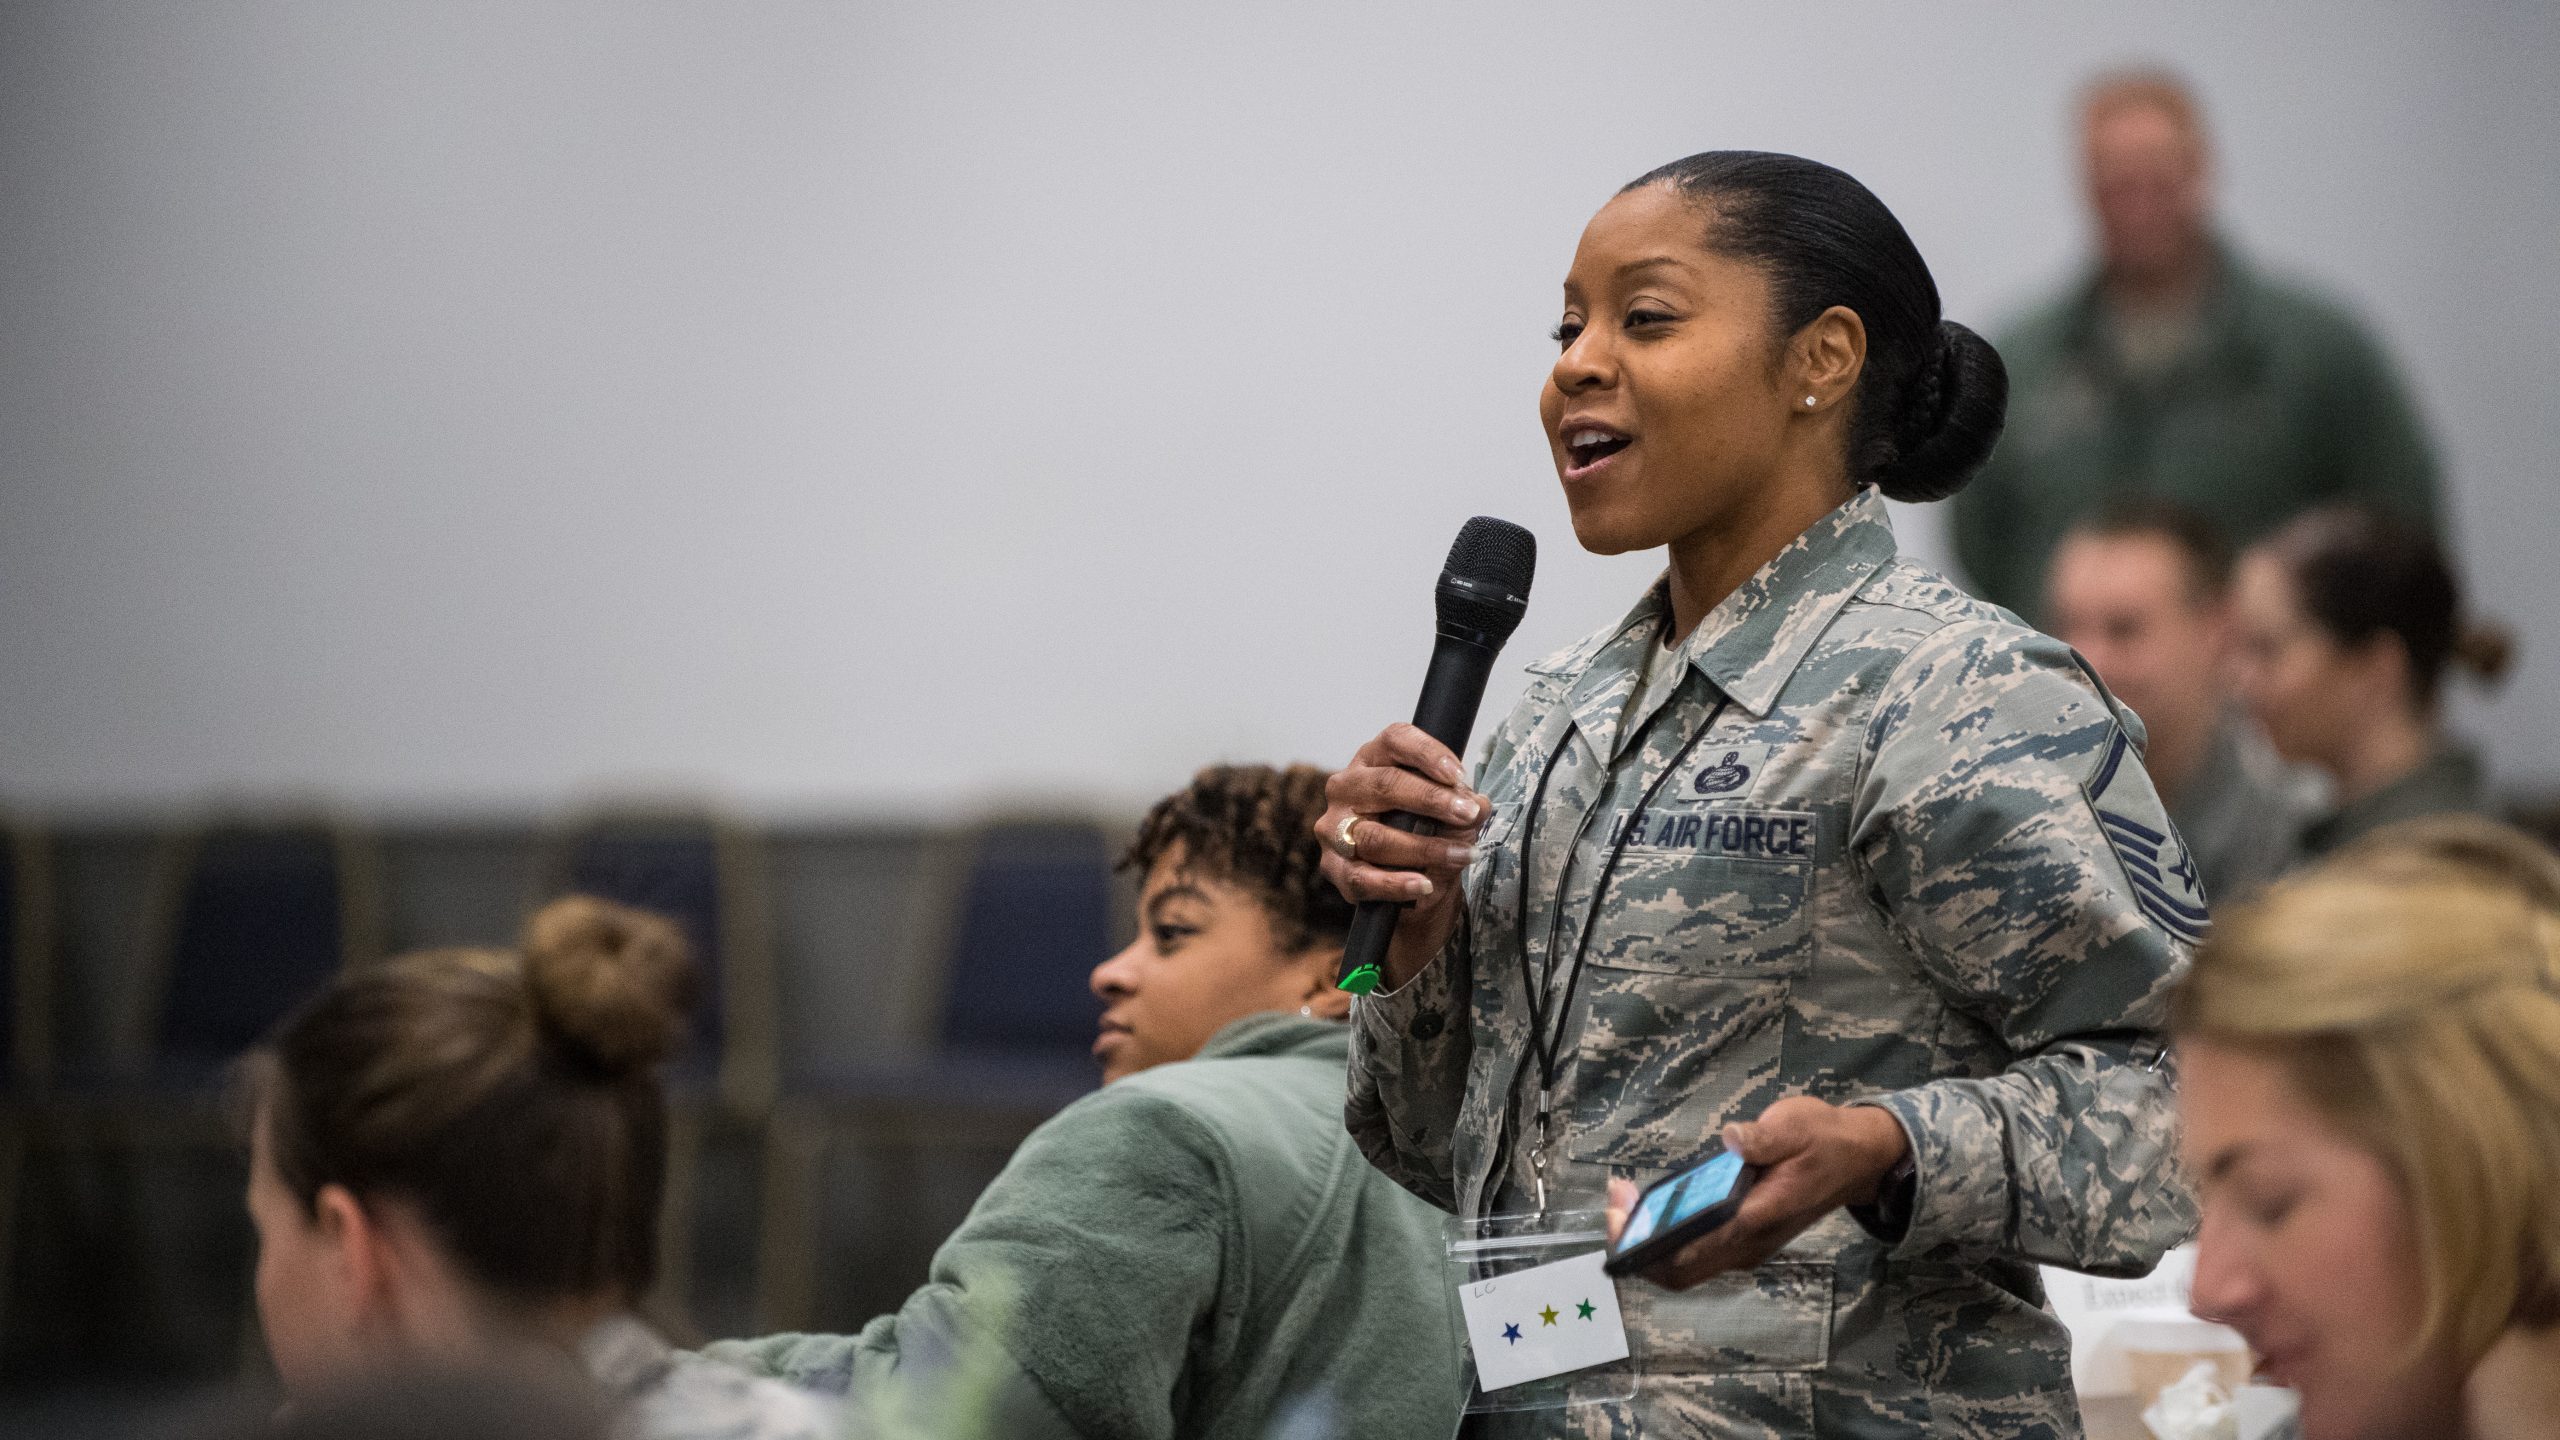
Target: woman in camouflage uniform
{"x": 1808, "y": 853}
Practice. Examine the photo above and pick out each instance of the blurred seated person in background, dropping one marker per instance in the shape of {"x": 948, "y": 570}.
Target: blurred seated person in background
{"x": 2369, "y": 1063}
{"x": 2347, "y": 620}
{"x": 2142, "y": 591}
{"x": 456, "y": 1156}
{"x": 1195, "y": 1250}
{"x": 2178, "y": 369}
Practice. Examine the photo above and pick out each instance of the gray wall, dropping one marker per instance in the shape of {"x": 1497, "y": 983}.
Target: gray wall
{"x": 902, "y": 406}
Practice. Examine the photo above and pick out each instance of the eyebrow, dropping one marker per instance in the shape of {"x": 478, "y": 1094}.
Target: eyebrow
{"x": 1650, "y": 262}
{"x": 1184, "y": 891}
{"x": 1637, "y": 267}
{"x": 2221, "y": 1166}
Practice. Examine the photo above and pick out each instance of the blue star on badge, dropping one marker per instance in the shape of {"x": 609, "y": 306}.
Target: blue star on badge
{"x": 1511, "y": 1333}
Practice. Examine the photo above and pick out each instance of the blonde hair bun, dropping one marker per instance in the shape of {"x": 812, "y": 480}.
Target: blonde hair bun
{"x": 613, "y": 983}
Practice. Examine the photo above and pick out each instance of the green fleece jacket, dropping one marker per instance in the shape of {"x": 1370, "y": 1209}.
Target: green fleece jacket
{"x": 1197, "y": 1251}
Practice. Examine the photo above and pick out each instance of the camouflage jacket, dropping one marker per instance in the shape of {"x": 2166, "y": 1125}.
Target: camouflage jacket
{"x": 1902, "y": 852}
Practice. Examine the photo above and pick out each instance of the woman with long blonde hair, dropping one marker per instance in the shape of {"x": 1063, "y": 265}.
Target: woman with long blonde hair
{"x": 2370, "y": 1062}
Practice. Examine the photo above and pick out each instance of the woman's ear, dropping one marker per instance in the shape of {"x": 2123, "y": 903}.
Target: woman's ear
{"x": 354, "y": 1243}
{"x": 2381, "y": 667}
{"x": 1326, "y": 1000}
{"x": 1828, "y": 354}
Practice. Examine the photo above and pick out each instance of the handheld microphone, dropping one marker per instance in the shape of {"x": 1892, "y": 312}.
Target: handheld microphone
{"x": 1483, "y": 592}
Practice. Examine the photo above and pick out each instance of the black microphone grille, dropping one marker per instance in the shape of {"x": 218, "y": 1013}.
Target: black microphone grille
{"x": 1495, "y": 552}
{"x": 1485, "y": 587}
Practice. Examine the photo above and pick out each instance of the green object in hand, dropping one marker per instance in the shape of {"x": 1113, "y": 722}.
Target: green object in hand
{"x": 1360, "y": 981}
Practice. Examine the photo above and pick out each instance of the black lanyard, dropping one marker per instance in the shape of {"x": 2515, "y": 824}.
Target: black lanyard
{"x": 1547, "y": 1043}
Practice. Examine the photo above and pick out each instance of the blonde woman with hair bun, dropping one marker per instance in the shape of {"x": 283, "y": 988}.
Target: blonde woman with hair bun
{"x": 456, "y": 1158}
{"x": 2370, "y": 1083}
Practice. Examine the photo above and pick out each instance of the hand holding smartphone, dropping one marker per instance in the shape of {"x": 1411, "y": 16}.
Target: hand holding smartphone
{"x": 1678, "y": 1209}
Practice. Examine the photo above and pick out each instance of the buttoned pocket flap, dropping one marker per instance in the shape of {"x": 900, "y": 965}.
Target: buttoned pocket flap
{"x": 1711, "y": 891}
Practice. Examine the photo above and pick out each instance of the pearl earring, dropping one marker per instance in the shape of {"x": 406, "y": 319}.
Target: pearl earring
{"x": 1307, "y": 1010}
{"x": 1809, "y": 402}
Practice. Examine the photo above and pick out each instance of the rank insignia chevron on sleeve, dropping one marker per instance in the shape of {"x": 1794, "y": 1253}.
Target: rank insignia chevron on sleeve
{"x": 2155, "y": 858}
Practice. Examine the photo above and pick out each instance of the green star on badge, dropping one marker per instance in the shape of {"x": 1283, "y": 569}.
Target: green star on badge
{"x": 1585, "y": 1308}
{"x": 1548, "y": 1315}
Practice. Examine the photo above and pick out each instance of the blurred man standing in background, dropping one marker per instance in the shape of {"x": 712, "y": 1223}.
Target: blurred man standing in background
{"x": 2142, "y": 591}
{"x": 2179, "y": 370}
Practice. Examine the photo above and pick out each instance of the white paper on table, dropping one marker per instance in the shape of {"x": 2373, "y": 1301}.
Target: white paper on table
{"x": 2092, "y": 1307}
{"x": 1543, "y": 1321}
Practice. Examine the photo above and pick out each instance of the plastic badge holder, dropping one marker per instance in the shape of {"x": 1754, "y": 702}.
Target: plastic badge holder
{"x": 1496, "y": 1245}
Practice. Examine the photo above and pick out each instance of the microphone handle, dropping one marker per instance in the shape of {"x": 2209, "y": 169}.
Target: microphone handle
{"x": 1452, "y": 690}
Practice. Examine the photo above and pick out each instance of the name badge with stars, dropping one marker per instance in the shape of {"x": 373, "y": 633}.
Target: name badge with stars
{"x": 2154, "y": 855}
{"x": 1534, "y": 1323}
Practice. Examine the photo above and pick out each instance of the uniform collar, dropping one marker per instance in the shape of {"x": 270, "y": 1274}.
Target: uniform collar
{"x": 1752, "y": 641}
{"x": 2449, "y": 779}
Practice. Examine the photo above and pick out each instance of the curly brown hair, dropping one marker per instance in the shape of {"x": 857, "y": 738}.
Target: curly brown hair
{"x": 1253, "y": 826}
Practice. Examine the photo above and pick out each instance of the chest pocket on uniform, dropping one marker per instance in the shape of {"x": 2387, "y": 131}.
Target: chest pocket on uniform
{"x": 1685, "y": 1010}
{"x": 1711, "y": 890}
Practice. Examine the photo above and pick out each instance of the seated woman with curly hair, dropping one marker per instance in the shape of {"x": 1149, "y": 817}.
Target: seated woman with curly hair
{"x": 1197, "y": 1249}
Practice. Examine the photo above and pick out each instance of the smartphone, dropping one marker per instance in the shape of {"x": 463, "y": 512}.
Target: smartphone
{"x": 1678, "y": 1209}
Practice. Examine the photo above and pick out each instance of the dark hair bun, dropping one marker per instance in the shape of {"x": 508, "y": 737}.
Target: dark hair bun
{"x": 1951, "y": 415}
{"x": 612, "y": 983}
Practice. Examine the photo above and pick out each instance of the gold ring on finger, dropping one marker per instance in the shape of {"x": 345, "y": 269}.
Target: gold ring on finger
{"x": 1342, "y": 835}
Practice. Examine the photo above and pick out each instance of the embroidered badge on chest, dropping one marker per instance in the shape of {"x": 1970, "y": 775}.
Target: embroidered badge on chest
{"x": 2155, "y": 856}
{"x": 1727, "y": 773}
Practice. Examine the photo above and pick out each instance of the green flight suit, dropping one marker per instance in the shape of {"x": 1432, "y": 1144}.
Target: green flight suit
{"x": 2451, "y": 781}
{"x": 2280, "y": 401}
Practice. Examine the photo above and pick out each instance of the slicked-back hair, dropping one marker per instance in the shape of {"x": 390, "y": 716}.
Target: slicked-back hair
{"x": 1931, "y": 401}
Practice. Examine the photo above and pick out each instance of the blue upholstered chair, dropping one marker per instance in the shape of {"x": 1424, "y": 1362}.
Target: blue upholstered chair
{"x": 253, "y": 919}
{"x": 26, "y": 1019}
{"x": 244, "y": 919}
{"x": 1024, "y": 909}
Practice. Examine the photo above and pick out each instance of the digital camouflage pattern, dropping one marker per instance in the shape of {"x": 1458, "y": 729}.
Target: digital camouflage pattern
{"x": 1887, "y": 874}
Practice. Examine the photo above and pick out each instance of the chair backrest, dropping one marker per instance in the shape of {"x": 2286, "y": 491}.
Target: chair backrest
{"x": 1032, "y": 917}
{"x": 255, "y": 918}
{"x": 706, "y": 874}
{"x": 12, "y": 1004}
{"x": 26, "y": 959}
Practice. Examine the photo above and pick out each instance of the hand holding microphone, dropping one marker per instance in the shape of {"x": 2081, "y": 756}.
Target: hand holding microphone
{"x": 1400, "y": 822}
{"x": 1401, "y": 772}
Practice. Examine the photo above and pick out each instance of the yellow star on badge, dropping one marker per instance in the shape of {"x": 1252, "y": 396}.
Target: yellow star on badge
{"x": 1548, "y": 1315}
